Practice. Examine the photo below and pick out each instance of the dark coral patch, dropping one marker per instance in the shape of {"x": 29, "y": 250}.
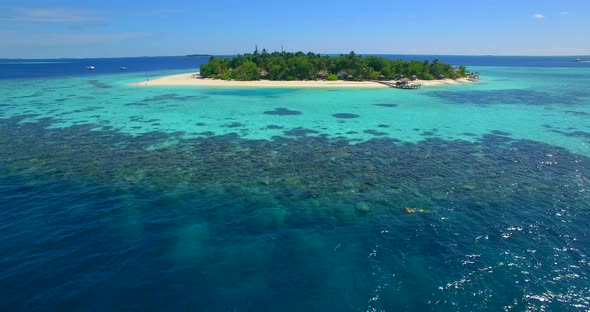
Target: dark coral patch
{"x": 375, "y": 132}
{"x": 299, "y": 132}
{"x": 498, "y": 132}
{"x": 200, "y": 124}
{"x": 282, "y": 112}
{"x": 427, "y": 133}
{"x": 233, "y": 125}
{"x": 505, "y": 96}
{"x": 345, "y": 115}
{"x": 383, "y": 126}
{"x": 273, "y": 127}
{"x": 386, "y": 105}
{"x": 575, "y": 134}
{"x": 98, "y": 84}
{"x": 174, "y": 97}
{"x": 576, "y": 113}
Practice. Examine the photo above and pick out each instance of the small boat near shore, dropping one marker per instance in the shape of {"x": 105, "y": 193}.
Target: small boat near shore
{"x": 90, "y": 67}
{"x": 123, "y": 68}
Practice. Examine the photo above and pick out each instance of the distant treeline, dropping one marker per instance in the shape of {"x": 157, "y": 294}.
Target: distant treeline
{"x": 197, "y": 55}
{"x": 311, "y": 66}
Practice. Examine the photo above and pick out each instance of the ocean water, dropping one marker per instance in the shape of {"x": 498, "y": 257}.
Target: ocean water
{"x": 118, "y": 197}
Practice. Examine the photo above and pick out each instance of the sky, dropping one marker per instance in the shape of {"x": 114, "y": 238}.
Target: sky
{"x": 113, "y": 28}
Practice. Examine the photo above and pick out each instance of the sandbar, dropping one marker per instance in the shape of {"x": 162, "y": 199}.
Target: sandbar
{"x": 193, "y": 79}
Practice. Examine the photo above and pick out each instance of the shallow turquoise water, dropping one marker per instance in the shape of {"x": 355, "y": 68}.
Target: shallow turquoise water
{"x": 216, "y": 199}
{"x": 529, "y": 103}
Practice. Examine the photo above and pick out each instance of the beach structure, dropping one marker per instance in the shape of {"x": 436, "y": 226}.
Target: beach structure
{"x": 406, "y": 84}
{"x": 322, "y": 74}
{"x": 473, "y": 76}
{"x": 344, "y": 75}
{"x": 400, "y": 84}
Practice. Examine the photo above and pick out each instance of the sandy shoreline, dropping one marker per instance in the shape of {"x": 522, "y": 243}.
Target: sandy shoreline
{"x": 190, "y": 80}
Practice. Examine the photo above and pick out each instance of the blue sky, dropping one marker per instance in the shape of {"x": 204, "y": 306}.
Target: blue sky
{"x": 109, "y": 28}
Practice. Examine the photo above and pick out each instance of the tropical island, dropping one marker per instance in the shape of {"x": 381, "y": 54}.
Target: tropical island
{"x": 311, "y": 66}
{"x": 287, "y": 69}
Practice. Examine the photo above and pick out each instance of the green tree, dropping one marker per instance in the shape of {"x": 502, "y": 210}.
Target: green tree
{"x": 247, "y": 71}
{"x": 462, "y": 71}
{"x": 299, "y": 65}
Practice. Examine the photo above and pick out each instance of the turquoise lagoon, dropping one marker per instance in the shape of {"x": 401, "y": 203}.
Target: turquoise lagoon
{"x": 529, "y": 103}
{"x": 234, "y": 199}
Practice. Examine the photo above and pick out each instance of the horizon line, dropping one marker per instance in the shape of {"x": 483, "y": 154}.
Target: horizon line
{"x": 361, "y": 54}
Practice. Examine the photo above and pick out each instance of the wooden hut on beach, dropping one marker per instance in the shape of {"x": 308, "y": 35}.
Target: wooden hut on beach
{"x": 322, "y": 74}
{"x": 344, "y": 75}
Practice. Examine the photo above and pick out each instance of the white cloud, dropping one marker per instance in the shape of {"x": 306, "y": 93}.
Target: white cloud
{"x": 538, "y": 16}
{"x": 564, "y": 13}
{"x": 52, "y": 15}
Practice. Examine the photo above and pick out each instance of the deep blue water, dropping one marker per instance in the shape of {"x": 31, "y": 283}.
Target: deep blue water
{"x": 94, "y": 217}
{"x": 77, "y": 67}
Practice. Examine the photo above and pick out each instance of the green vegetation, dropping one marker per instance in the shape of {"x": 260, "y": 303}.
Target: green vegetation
{"x": 332, "y": 77}
{"x": 310, "y": 66}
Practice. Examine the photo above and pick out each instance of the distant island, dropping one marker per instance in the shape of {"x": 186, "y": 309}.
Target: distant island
{"x": 284, "y": 66}
{"x": 197, "y": 55}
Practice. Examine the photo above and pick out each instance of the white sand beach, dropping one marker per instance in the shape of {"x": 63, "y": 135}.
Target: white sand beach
{"x": 193, "y": 79}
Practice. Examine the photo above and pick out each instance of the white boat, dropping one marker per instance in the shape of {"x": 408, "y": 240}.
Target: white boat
{"x": 90, "y": 67}
{"x": 123, "y": 68}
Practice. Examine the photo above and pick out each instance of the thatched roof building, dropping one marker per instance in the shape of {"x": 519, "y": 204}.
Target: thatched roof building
{"x": 343, "y": 75}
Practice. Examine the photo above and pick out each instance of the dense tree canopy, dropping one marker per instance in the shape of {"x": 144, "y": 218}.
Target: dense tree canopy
{"x": 310, "y": 66}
